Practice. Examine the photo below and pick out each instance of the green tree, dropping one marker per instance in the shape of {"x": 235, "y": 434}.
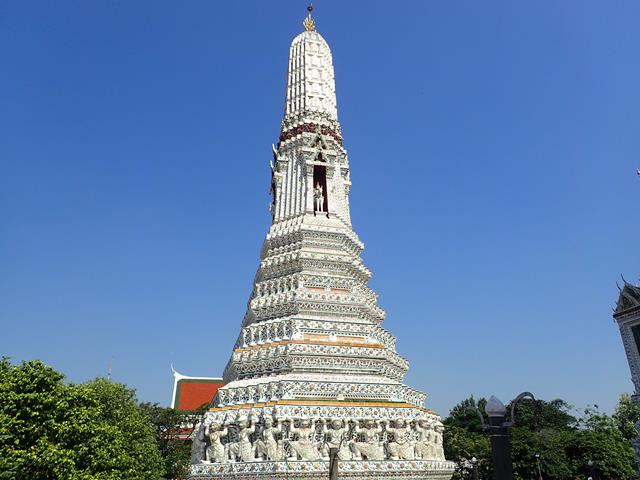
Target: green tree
{"x": 540, "y": 414}
{"x": 626, "y": 415}
{"x": 465, "y": 414}
{"x": 611, "y": 453}
{"x": 563, "y": 442}
{"x": 123, "y": 438}
{"x": 465, "y": 439}
{"x": 550, "y": 444}
{"x": 172, "y": 427}
{"x": 50, "y": 430}
{"x": 601, "y": 441}
{"x": 461, "y": 445}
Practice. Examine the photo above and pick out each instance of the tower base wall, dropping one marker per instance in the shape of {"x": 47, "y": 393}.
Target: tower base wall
{"x": 319, "y": 470}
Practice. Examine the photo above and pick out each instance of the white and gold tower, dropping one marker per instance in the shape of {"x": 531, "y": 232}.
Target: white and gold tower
{"x": 312, "y": 367}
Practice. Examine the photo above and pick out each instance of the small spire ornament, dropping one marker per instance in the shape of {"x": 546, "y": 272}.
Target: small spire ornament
{"x": 309, "y": 23}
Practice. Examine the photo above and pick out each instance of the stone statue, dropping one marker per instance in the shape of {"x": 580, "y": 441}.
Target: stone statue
{"x": 402, "y": 446}
{"x": 371, "y": 448}
{"x": 199, "y": 443}
{"x": 267, "y": 447}
{"x": 215, "y": 450}
{"x": 424, "y": 448}
{"x": 318, "y": 198}
{"x": 242, "y": 450}
{"x": 438, "y": 449}
{"x": 336, "y": 438}
{"x": 304, "y": 446}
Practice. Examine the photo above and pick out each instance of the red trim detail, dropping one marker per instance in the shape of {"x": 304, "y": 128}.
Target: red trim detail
{"x": 310, "y": 128}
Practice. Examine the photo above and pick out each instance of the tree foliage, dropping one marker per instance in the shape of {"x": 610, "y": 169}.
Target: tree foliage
{"x": 461, "y": 445}
{"x": 540, "y": 415}
{"x": 562, "y": 442}
{"x": 172, "y": 428}
{"x": 51, "y": 430}
{"x": 465, "y": 414}
{"x": 626, "y": 415}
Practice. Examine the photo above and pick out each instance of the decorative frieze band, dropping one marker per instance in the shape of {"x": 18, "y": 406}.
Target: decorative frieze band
{"x": 275, "y": 330}
{"x": 318, "y": 470}
{"x": 278, "y": 390}
{"x": 348, "y": 365}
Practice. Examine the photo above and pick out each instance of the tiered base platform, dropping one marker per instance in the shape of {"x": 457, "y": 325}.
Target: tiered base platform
{"x": 317, "y": 470}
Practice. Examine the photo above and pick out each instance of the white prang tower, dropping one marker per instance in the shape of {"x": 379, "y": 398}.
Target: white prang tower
{"x": 312, "y": 368}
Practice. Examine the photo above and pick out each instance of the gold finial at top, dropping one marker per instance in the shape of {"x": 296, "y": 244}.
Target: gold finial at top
{"x": 309, "y": 23}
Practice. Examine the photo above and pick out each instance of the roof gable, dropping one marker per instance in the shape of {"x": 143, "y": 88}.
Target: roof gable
{"x": 628, "y": 299}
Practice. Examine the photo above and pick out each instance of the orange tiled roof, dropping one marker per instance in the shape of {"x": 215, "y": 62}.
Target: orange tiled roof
{"x": 190, "y": 393}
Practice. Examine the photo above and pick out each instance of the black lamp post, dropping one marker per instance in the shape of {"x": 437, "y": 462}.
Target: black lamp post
{"x": 474, "y": 466}
{"x": 591, "y": 466}
{"x": 498, "y": 430}
{"x": 537, "y": 455}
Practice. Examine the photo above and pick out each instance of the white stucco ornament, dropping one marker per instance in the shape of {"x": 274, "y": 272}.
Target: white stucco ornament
{"x": 312, "y": 368}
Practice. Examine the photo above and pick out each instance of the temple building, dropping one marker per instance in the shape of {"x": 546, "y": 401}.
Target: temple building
{"x": 313, "y": 372}
{"x": 627, "y": 316}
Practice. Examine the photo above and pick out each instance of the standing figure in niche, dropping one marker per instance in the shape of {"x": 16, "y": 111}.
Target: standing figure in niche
{"x": 438, "y": 449}
{"x": 268, "y": 448}
{"x": 402, "y": 446}
{"x": 318, "y": 198}
{"x": 199, "y": 443}
{"x": 304, "y": 447}
{"x": 371, "y": 448}
{"x": 335, "y": 438}
{"x": 242, "y": 450}
{"x": 424, "y": 449}
{"x": 215, "y": 450}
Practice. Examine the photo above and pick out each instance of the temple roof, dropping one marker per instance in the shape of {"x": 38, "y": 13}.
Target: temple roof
{"x": 190, "y": 393}
{"x": 628, "y": 300}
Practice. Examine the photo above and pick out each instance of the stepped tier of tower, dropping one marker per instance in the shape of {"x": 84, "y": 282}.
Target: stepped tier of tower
{"x": 312, "y": 327}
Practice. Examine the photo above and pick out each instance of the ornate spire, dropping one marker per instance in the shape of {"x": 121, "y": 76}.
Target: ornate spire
{"x": 310, "y": 82}
{"x": 309, "y": 23}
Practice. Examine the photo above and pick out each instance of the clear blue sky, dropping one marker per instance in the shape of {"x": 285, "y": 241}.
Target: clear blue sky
{"x": 493, "y": 147}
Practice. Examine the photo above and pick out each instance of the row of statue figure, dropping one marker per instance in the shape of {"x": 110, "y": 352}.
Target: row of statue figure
{"x": 249, "y": 440}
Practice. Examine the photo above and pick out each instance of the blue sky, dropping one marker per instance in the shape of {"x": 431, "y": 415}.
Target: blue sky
{"x": 493, "y": 147}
